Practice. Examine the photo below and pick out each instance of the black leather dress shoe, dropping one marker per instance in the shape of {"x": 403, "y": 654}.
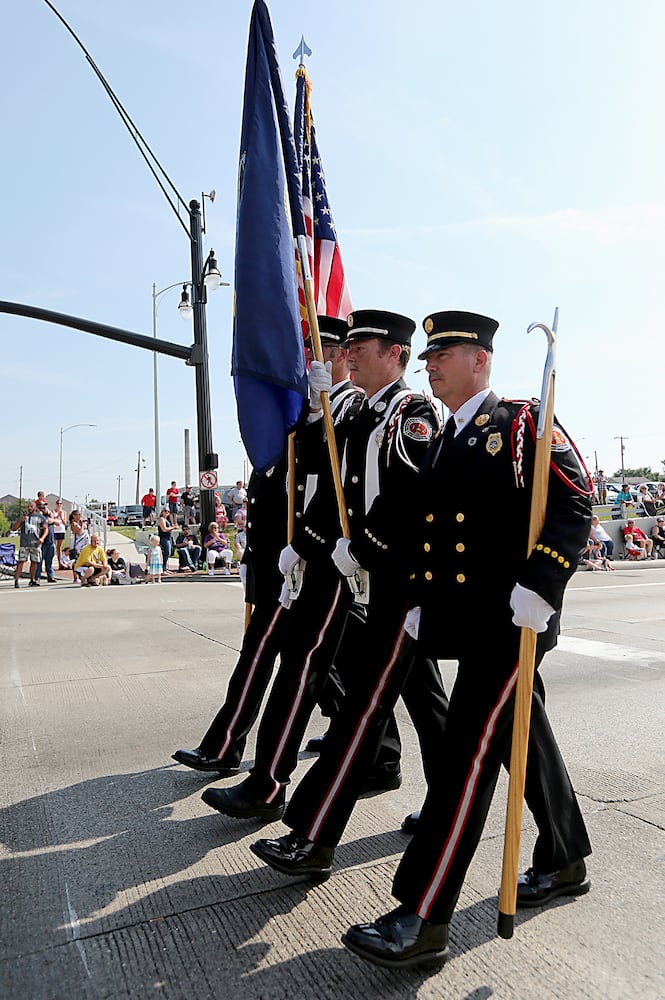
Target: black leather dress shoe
{"x": 398, "y": 940}
{"x": 410, "y": 823}
{"x": 538, "y": 889}
{"x": 315, "y": 744}
{"x": 239, "y": 802}
{"x": 195, "y": 759}
{"x": 294, "y": 855}
{"x": 383, "y": 780}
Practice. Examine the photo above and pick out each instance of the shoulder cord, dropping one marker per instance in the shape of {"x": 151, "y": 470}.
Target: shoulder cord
{"x": 525, "y": 417}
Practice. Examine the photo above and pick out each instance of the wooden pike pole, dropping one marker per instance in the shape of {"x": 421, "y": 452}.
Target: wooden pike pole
{"x": 308, "y": 285}
{"x": 527, "y": 655}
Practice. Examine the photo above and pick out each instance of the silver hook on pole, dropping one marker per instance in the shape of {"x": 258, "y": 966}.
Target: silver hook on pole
{"x": 550, "y": 368}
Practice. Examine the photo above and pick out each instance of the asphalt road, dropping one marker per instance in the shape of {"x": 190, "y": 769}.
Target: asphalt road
{"x": 117, "y": 881}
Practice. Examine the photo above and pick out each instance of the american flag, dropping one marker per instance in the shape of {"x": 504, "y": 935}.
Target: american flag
{"x": 331, "y": 292}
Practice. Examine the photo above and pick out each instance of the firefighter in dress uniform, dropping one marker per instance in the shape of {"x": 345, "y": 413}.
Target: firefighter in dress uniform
{"x": 312, "y": 623}
{"x": 465, "y": 611}
{"x": 381, "y": 448}
{"x": 223, "y": 744}
{"x": 270, "y": 630}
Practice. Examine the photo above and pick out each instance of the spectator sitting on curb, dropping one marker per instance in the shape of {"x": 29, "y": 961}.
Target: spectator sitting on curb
{"x": 658, "y": 536}
{"x": 600, "y": 535}
{"x": 92, "y": 565}
{"x": 217, "y": 549}
{"x": 633, "y": 550}
{"x": 188, "y": 549}
{"x": 593, "y": 556}
{"x": 638, "y": 537}
{"x": 121, "y": 573}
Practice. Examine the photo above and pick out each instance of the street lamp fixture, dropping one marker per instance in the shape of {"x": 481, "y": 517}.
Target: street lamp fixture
{"x": 185, "y": 304}
{"x": 212, "y": 276}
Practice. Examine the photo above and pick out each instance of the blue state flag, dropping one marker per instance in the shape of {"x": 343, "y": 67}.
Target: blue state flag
{"x": 268, "y": 362}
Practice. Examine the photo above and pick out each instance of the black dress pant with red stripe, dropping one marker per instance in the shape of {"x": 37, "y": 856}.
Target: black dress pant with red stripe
{"x": 227, "y": 734}
{"x": 378, "y": 657}
{"x": 313, "y": 627}
{"x": 475, "y": 742}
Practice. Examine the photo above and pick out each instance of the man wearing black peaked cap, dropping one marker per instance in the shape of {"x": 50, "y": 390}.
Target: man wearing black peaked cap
{"x": 270, "y": 630}
{"x": 381, "y": 448}
{"x": 461, "y": 611}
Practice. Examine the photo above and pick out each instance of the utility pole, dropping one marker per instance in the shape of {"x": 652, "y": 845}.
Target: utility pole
{"x": 119, "y": 481}
{"x": 622, "y": 439}
{"x": 137, "y": 470}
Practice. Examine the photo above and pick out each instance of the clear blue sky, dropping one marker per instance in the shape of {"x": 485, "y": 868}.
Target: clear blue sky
{"x": 503, "y": 158}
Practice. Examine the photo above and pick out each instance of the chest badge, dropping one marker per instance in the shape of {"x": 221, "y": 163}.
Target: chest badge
{"x": 472, "y": 441}
{"x": 494, "y": 444}
{"x": 483, "y": 419}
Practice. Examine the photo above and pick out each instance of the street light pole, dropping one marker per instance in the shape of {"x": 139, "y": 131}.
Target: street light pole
{"x": 621, "y": 440}
{"x": 63, "y": 430}
{"x": 138, "y": 475}
{"x": 208, "y": 460}
{"x": 155, "y": 394}
{"x": 155, "y": 402}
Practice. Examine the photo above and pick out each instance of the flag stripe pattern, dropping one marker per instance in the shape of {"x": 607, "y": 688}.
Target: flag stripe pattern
{"x": 331, "y": 293}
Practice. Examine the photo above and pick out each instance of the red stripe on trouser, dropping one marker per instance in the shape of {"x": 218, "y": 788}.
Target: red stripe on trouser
{"x": 297, "y": 701}
{"x": 228, "y": 739}
{"x": 428, "y": 898}
{"x": 356, "y": 739}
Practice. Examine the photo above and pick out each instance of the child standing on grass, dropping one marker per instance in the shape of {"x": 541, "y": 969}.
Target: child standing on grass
{"x": 154, "y": 560}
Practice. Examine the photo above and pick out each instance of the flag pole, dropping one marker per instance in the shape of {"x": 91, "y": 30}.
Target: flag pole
{"x": 317, "y": 350}
{"x": 527, "y": 654}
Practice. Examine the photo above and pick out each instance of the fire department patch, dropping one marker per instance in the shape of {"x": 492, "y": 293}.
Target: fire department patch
{"x": 417, "y": 430}
{"x": 559, "y": 441}
{"x": 494, "y": 444}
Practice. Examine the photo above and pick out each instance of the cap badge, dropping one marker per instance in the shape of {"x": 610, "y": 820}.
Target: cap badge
{"x": 349, "y": 320}
{"x": 494, "y": 444}
{"x": 482, "y": 420}
{"x": 429, "y": 325}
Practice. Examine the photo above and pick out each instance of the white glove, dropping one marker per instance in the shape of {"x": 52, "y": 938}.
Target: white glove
{"x": 288, "y": 560}
{"x": 412, "y": 622}
{"x": 284, "y": 598}
{"x": 343, "y": 559}
{"x": 530, "y": 610}
{"x": 320, "y": 380}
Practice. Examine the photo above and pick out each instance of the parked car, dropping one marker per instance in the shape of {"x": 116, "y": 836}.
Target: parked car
{"x": 131, "y": 514}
